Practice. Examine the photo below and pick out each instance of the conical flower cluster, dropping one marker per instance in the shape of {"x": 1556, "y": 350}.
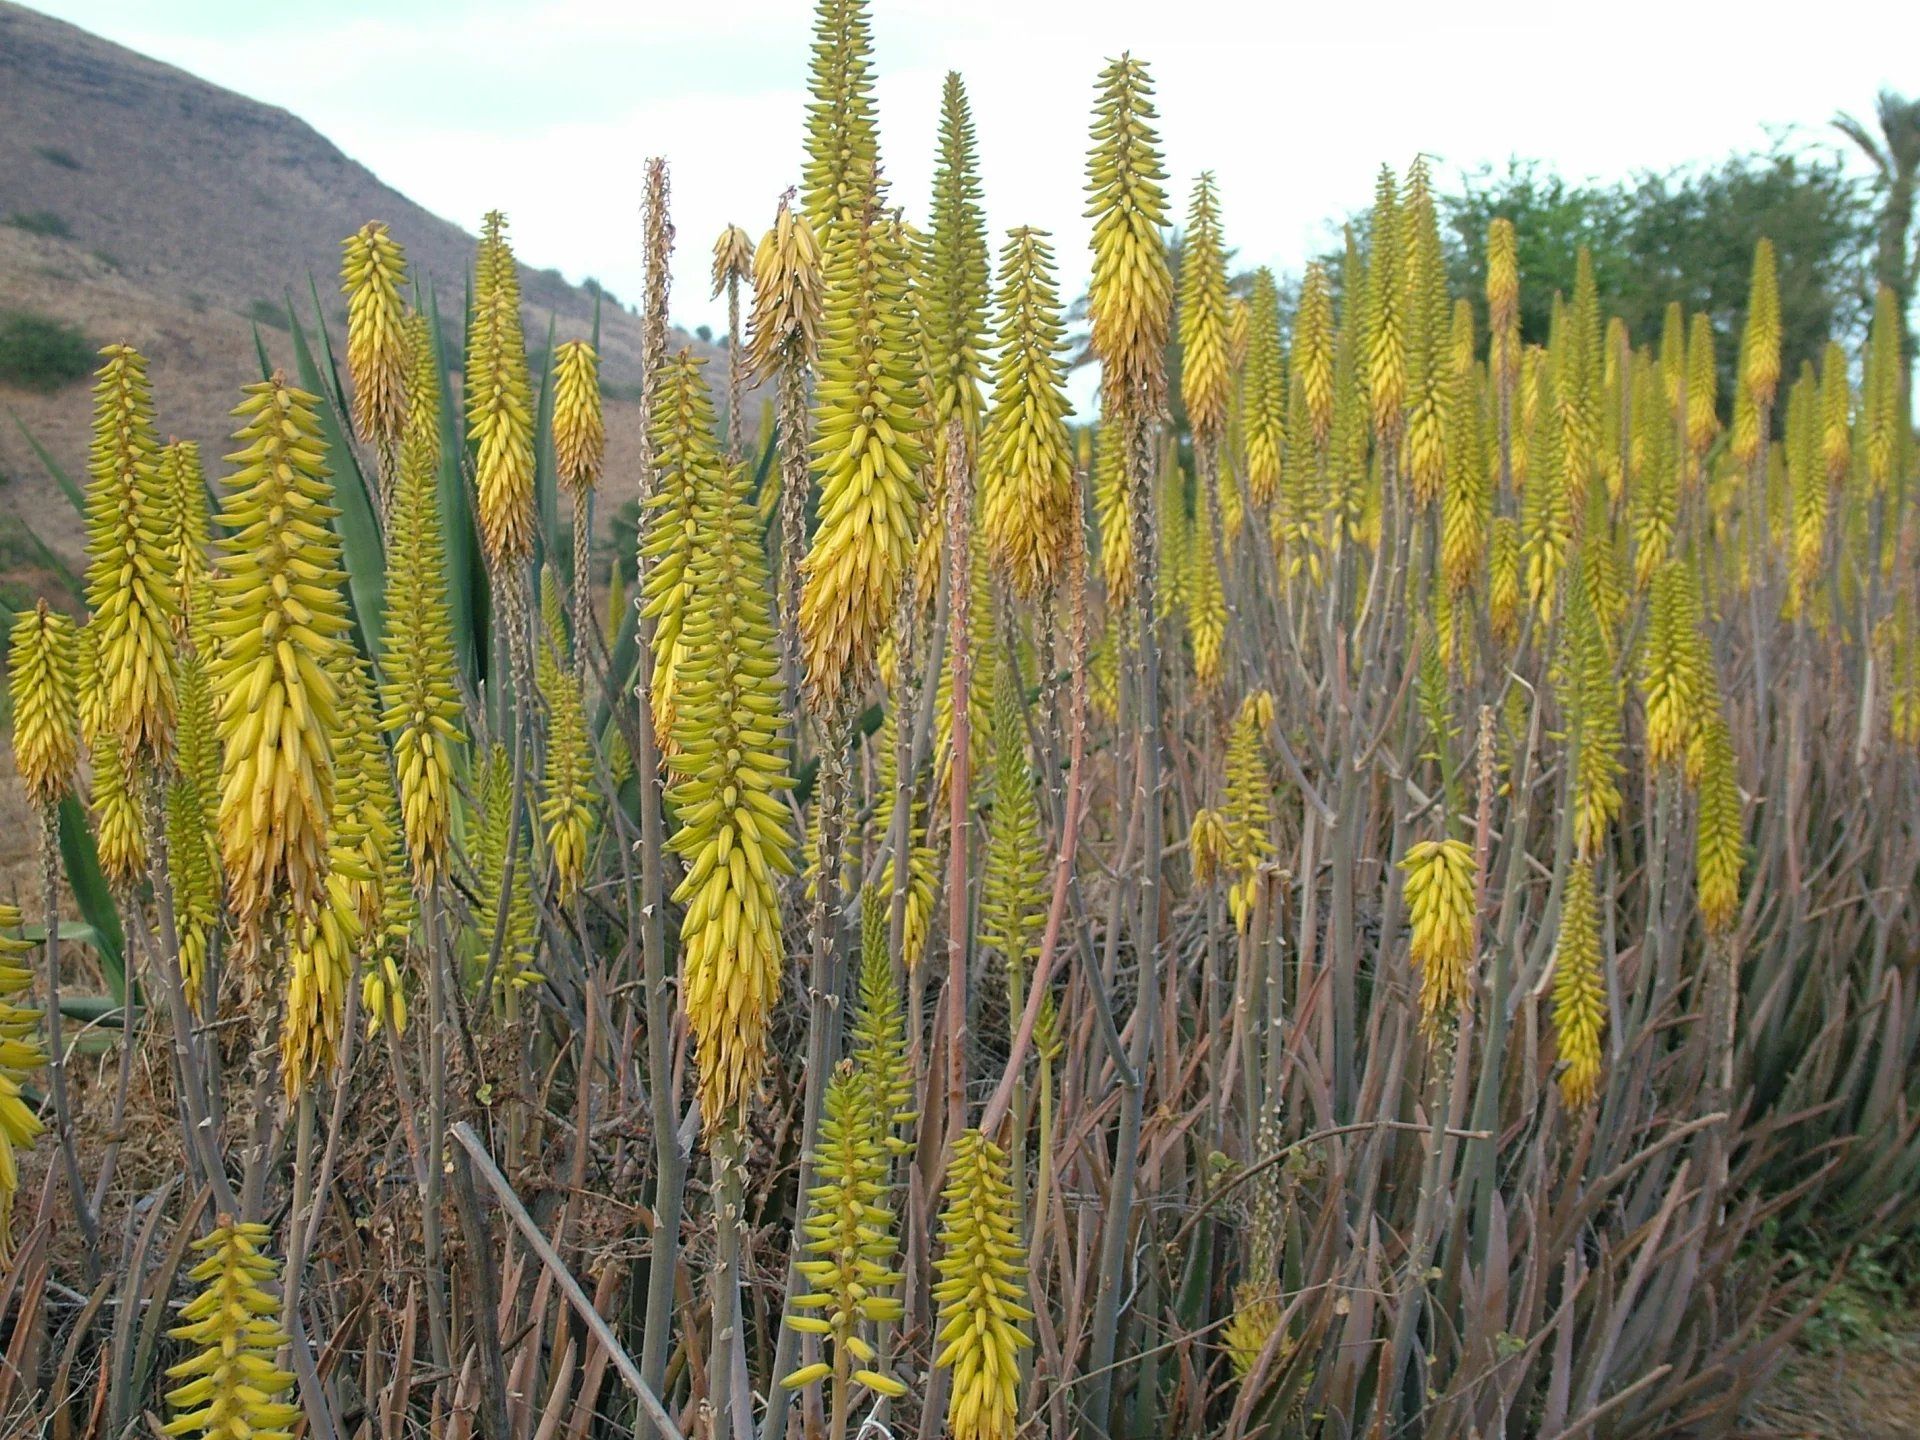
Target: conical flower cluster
{"x": 1027, "y": 490}
{"x": 1440, "y": 882}
{"x": 1579, "y": 989}
{"x": 229, "y": 1386}
{"x": 982, "y": 1293}
{"x": 579, "y": 431}
{"x": 499, "y": 402}
{"x": 1130, "y": 297}
{"x": 728, "y": 771}
{"x": 1205, "y": 374}
{"x": 373, "y": 272}
{"x": 280, "y": 618}
{"x": 43, "y": 682}
{"x": 129, "y": 571}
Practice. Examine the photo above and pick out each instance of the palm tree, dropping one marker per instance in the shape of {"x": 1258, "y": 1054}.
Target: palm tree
{"x": 1895, "y": 153}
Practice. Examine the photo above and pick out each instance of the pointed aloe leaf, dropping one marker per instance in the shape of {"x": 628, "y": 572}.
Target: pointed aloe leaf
{"x": 90, "y": 893}
{"x": 361, "y": 552}
{"x": 60, "y": 477}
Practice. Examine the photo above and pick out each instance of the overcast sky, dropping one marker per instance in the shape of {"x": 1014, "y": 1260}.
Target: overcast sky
{"x": 548, "y": 108}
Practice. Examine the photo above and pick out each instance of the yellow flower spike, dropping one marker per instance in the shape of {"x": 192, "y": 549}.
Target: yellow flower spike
{"x": 1312, "y": 355}
{"x": 686, "y": 461}
{"x": 567, "y": 809}
{"x": 1466, "y": 500}
{"x": 1429, "y": 339}
{"x": 43, "y": 681}
{"x": 21, "y": 1053}
{"x": 865, "y": 419}
{"x": 879, "y": 1030}
{"x": 495, "y": 827}
{"x": 499, "y": 402}
{"x": 1579, "y": 989}
{"x": 1720, "y": 848}
{"x": 727, "y": 774}
{"x": 1249, "y": 804}
{"x": 851, "y": 1242}
{"x": 130, "y": 568}
{"x": 1760, "y": 344}
{"x": 1503, "y": 579}
{"x": 1654, "y": 501}
{"x": 373, "y": 272}
{"x": 1267, "y": 391}
{"x": 953, "y": 266}
{"x": 119, "y": 816}
{"x": 1591, "y": 699}
{"x": 1205, "y": 599}
{"x": 193, "y": 827}
{"x": 1205, "y": 373}
{"x": 1209, "y": 845}
{"x": 784, "y": 325}
{"x": 1440, "y": 880}
{"x": 279, "y": 616}
{"x": 1577, "y": 387}
{"x": 1881, "y": 390}
{"x": 1547, "y": 510}
{"x": 1383, "y": 325}
{"x": 189, "y": 533}
{"x": 732, "y": 259}
{"x": 1807, "y": 485}
{"x": 420, "y": 704}
{"x": 981, "y": 1293}
{"x": 1028, "y": 496}
{"x": 229, "y": 1386}
{"x": 922, "y": 862}
{"x": 1703, "y": 392}
{"x": 1670, "y": 667}
{"x": 1130, "y": 296}
{"x": 843, "y": 147}
{"x": 1113, "y": 517}
{"x": 579, "y": 432}
{"x": 1503, "y": 302}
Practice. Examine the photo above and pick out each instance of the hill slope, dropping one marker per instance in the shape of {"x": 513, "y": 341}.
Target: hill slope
{"x": 140, "y": 203}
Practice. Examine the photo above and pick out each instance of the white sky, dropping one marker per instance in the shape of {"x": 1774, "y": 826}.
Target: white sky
{"x": 548, "y": 108}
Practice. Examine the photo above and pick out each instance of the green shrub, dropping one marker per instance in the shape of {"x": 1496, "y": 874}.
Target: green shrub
{"x": 40, "y": 353}
{"x": 54, "y": 155}
{"x": 40, "y": 222}
{"x": 267, "y": 312}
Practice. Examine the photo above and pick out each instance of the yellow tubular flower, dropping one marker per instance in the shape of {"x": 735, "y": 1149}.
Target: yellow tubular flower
{"x": 1312, "y": 360}
{"x": 229, "y": 1386}
{"x": 1027, "y": 499}
{"x": 686, "y": 461}
{"x": 1591, "y": 699}
{"x": 1209, "y": 845}
{"x": 1130, "y": 297}
{"x": 119, "y": 820}
{"x": 734, "y": 829}
{"x": 1882, "y": 421}
{"x": 982, "y": 1293}
{"x": 193, "y": 825}
{"x": 1205, "y": 378}
{"x": 1669, "y": 661}
{"x": 1249, "y": 804}
{"x": 1383, "y": 326}
{"x": 189, "y": 532}
{"x": 879, "y": 1032}
{"x": 1577, "y": 387}
{"x": 319, "y": 968}
{"x": 1760, "y": 344}
{"x": 579, "y": 432}
{"x": 843, "y": 147}
{"x": 499, "y": 402}
{"x": 21, "y": 1053}
{"x": 1579, "y": 989}
{"x": 43, "y": 680}
{"x": 420, "y": 706}
{"x": 1113, "y": 515}
{"x": 129, "y": 567}
{"x": 784, "y": 325}
{"x": 1267, "y": 394}
{"x": 1429, "y": 332}
{"x": 1807, "y": 485}
{"x": 1836, "y": 418}
{"x": 850, "y": 1242}
{"x": 279, "y": 616}
{"x": 953, "y": 265}
{"x": 1654, "y": 502}
{"x": 1546, "y": 510}
{"x": 1503, "y": 302}
{"x": 865, "y": 405}
{"x": 1466, "y": 502}
{"x": 1440, "y": 900}
{"x": 1206, "y": 600}
{"x": 1720, "y": 849}
{"x": 1703, "y": 392}
{"x": 373, "y": 272}
{"x": 567, "y": 809}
